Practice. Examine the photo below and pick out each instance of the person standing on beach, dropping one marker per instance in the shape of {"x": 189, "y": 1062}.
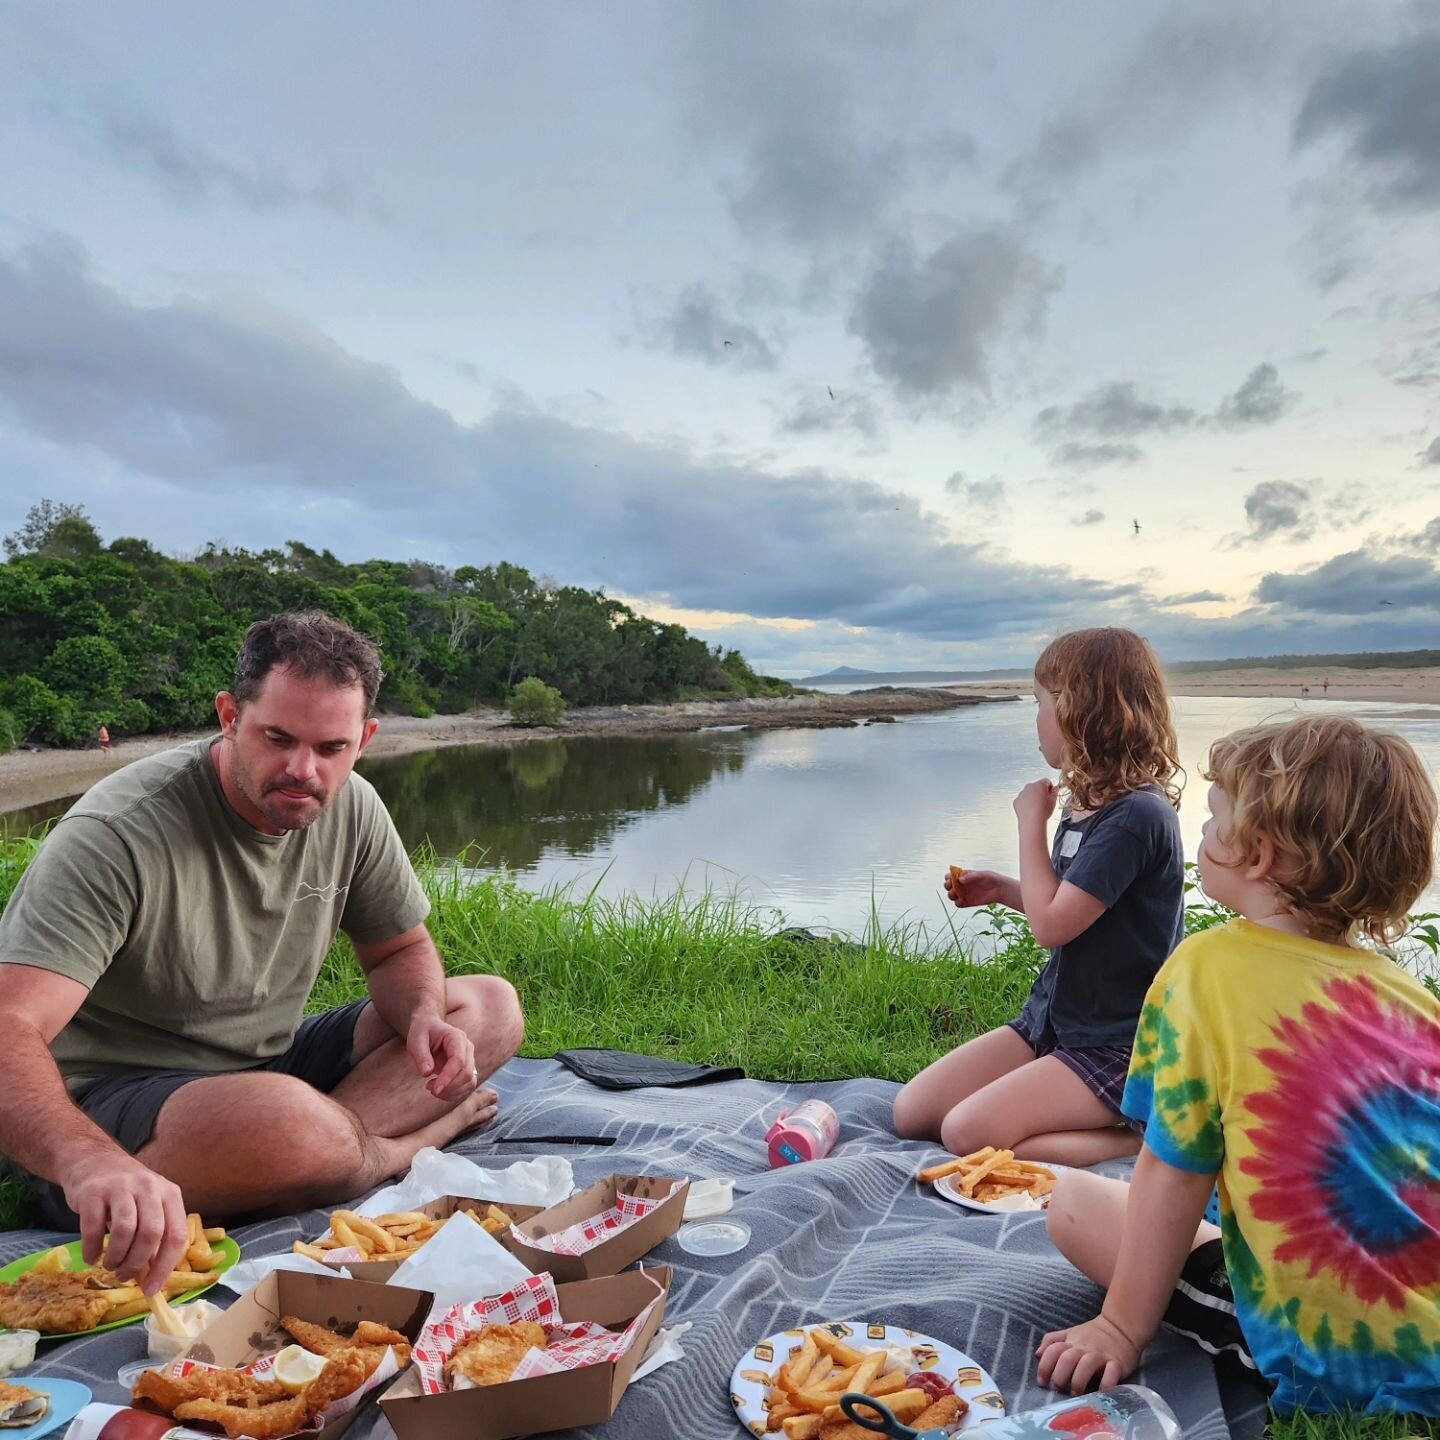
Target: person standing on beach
{"x": 103, "y": 736}
{"x": 1107, "y": 899}
{"x": 157, "y": 956}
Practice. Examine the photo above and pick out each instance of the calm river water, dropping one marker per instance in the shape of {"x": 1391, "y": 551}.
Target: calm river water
{"x": 822, "y": 827}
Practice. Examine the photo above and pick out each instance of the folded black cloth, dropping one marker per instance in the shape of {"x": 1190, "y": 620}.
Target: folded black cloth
{"x": 620, "y": 1070}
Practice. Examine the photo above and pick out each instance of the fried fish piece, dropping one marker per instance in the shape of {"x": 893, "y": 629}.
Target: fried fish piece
{"x": 345, "y": 1372}
{"x": 370, "y": 1336}
{"x": 947, "y": 1410}
{"x": 55, "y": 1303}
{"x": 229, "y": 1387}
{"x": 488, "y": 1356}
{"x": 21, "y": 1407}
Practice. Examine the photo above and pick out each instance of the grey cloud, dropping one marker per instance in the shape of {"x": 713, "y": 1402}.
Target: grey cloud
{"x": 1114, "y": 410}
{"x": 150, "y": 146}
{"x": 1079, "y": 456}
{"x": 1431, "y": 454}
{"x": 1195, "y": 597}
{"x": 824, "y": 131}
{"x": 1355, "y": 583}
{"x": 929, "y": 324}
{"x": 1279, "y": 508}
{"x": 1426, "y": 539}
{"x": 1178, "y": 74}
{"x": 987, "y": 495}
{"x": 819, "y": 414}
{"x": 220, "y": 405}
{"x": 1260, "y": 400}
{"x": 1381, "y": 102}
{"x": 1090, "y": 517}
{"x": 693, "y": 325}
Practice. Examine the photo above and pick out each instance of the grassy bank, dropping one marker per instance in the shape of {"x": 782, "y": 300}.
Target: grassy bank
{"x": 705, "y": 979}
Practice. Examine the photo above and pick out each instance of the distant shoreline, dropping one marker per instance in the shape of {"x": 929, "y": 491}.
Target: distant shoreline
{"x": 36, "y": 778}
{"x": 28, "y": 779}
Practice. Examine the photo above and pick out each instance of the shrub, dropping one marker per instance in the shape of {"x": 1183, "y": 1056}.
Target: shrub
{"x": 10, "y": 732}
{"x": 533, "y": 702}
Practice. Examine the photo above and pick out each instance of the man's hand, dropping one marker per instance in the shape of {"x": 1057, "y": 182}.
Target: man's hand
{"x": 445, "y": 1057}
{"x": 979, "y": 887}
{"x": 142, "y": 1213}
{"x": 1075, "y": 1359}
{"x": 1035, "y": 804}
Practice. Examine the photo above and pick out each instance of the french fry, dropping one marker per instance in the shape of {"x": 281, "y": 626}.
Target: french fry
{"x": 128, "y": 1310}
{"x": 183, "y": 1281}
{"x": 798, "y": 1367}
{"x": 974, "y": 1176}
{"x": 310, "y": 1252}
{"x": 802, "y": 1427}
{"x": 215, "y": 1233}
{"x": 951, "y": 1167}
{"x": 784, "y": 1411}
{"x": 382, "y": 1238}
{"x": 346, "y": 1236}
{"x": 869, "y": 1369}
{"x": 837, "y": 1350}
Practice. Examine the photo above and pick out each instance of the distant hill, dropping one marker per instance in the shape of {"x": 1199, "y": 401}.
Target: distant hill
{"x": 845, "y": 673}
{"x": 1362, "y": 660}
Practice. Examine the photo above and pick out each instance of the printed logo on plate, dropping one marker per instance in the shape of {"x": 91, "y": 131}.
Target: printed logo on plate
{"x": 762, "y": 1377}
{"x": 796, "y": 1334}
{"x": 765, "y": 1351}
{"x": 759, "y": 1427}
{"x": 840, "y": 1330}
{"x": 926, "y": 1357}
{"x": 875, "y": 1332}
{"x": 990, "y": 1400}
{"x": 969, "y": 1377}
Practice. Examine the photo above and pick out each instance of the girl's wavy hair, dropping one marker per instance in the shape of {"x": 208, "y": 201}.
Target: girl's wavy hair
{"x": 1114, "y": 716}
{"x": 1351, "y": 812}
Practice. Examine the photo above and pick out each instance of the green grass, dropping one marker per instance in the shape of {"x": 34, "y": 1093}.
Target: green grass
{"x": 704, "y": 978}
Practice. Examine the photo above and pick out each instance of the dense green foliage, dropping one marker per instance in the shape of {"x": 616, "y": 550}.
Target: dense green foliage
{"x": 533, "y": 702}
{"x": 124, "y": 635}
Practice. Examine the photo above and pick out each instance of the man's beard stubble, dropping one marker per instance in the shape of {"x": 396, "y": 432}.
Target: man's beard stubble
{"x": 245, "y": 782}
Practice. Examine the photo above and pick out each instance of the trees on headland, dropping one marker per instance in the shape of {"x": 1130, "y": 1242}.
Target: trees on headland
{"x": 123, "y": 635}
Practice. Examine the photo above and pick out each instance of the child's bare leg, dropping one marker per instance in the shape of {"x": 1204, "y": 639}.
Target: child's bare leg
{"x": 1081, "y": 1147}
{"x": 923, "y": 1103}
{"x": 1086, "y": 1220}
{"x": 1044, "y": 1097}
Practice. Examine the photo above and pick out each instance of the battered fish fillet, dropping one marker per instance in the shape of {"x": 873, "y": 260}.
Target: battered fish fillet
{"x": 230, "y": 1387}
{"x": 369, "y": 1336}
{"x": 489, "y": 1355}
{"x": 344, "y": 1373}
{"x": 21, "y": 1407}
{"x": 55, "y": 1304}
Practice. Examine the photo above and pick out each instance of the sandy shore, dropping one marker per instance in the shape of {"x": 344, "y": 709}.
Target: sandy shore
{"x": 1419, "y": 687}
{"x": 35, "y": 778}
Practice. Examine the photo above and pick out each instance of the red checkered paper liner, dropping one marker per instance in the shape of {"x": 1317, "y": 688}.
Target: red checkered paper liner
{"x": 587, "y": 1234}
{"x": 264, "y": 1369}
{"x": 571, "y": 1347}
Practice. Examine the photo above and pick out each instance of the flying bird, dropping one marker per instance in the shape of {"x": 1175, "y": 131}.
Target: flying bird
{"x": 729, "y": 344}
{"x": 1387, "y": 602}
{"x": 829, "y": 392}
{"x": 1136, "y": 524}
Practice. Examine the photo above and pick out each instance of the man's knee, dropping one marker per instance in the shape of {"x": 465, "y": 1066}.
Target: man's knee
{"x": 488, "y": 1009}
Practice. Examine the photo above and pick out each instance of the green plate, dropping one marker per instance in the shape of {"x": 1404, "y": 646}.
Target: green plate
{"x": 16, "y": 1268}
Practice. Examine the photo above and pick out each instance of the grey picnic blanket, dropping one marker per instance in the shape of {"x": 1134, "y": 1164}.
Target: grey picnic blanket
{"x": 851, "y": 1237}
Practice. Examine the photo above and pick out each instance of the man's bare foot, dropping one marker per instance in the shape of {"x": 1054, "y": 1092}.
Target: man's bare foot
{"x": 477, "y": 1109}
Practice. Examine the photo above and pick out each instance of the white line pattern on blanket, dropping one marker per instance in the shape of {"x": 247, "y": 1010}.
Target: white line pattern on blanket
{"x": 849, "y": 1237}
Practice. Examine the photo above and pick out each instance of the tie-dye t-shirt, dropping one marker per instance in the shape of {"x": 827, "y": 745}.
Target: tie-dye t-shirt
{"x": 1308, "y": 1077}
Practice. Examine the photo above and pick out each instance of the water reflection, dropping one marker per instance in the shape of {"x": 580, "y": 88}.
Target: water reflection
{"x": 548, "y": 796}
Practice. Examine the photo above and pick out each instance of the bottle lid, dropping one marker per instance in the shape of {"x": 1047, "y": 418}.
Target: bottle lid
{"x": 714, "y": 1237}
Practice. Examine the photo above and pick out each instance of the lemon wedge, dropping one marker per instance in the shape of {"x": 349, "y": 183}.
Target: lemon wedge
{"x": 296, "y": 1367}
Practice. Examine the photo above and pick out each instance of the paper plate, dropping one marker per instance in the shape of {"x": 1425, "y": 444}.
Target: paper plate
{"x": 948, "y": 1188}
{"x": 67, "y": 1399}
{"x": 750, "y": 1382}
{"x": 16, "y": 1268}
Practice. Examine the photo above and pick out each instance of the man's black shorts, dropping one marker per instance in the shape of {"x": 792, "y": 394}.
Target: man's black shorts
{"x": 126, "y": 1105}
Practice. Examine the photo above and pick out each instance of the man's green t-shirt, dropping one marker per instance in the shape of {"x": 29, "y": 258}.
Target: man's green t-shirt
{"x": 198, "y": 937}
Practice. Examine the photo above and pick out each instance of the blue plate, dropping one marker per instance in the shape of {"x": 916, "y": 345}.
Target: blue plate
{"x": 67, "y": 1399}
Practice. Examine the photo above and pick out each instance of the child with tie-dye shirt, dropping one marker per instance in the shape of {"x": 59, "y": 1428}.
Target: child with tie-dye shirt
{"x": 1301, "y": 1069}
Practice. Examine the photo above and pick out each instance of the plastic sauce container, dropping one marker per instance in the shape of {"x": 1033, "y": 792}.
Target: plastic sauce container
{"x": 808, "y": 1132}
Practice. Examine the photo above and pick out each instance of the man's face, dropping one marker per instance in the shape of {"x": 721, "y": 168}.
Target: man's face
{"x": 293, "y": 746}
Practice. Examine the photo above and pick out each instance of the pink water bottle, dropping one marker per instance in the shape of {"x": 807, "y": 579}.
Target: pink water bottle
{"x": 806, "y": 1133}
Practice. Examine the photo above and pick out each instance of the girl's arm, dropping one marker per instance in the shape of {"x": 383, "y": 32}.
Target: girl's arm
{"x": 1057, "y": 912}
{"x": 1162, "y": 1215}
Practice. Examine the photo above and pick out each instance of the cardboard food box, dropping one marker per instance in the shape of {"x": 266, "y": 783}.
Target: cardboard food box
{"x": 545, "y": 1402}
{"x": 250, "y": 1328}
{"x": 442, "y": 1209}
{"x": 609, "y": 1257}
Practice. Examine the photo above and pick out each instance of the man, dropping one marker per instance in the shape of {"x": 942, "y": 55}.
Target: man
{"x": 157, "y": 955}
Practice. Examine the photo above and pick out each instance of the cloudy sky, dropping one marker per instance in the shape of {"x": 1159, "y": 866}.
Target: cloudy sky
{"x": 847, "y": 333}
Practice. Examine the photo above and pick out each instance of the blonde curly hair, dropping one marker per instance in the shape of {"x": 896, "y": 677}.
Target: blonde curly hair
{"x": 1114, "y": 716}
{"x": 1351, "y": 812}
